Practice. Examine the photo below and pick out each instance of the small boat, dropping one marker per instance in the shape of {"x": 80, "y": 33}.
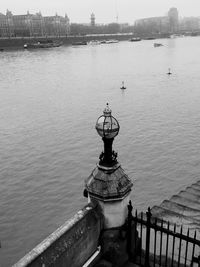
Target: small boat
{"x": 157, "y": 44}
{"x": 169, "y": 72}
{"x": 80, "y": 43}
{"x": 1, "y": 49}
{"x": 135, "y": 39}
{"x": 122, "y": 87}
{"x": 111, "y": 41}
{"x": 172, "y": 36}
{"x": 149, "y": 38}
{"x": 94, "y": 42}
{"x": 43, "y": 44}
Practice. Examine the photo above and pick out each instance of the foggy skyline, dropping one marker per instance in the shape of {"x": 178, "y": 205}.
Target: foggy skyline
{"x": 106, "y": 11}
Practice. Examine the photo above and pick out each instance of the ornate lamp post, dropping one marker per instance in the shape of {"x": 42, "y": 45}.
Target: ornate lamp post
{"x": 108, "y": 128}
{"x": 108, "y": 185}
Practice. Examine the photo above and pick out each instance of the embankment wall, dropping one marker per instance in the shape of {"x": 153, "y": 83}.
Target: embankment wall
{"x": 70, "y": 245}
{"x": 18, "y": 42}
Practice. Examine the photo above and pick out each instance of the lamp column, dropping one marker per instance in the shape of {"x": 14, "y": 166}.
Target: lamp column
{"x": 108, "y": 185}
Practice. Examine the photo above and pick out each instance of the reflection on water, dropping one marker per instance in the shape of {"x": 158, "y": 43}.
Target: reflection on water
{"x": 49, "y": 103}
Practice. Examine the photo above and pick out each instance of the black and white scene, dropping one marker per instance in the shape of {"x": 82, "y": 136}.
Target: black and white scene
{"x": 99, "y": 133}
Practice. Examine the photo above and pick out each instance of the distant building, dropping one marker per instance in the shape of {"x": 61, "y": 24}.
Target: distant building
{"x": 3, "y": 25}
{"x": 189, "y": 24}
{"x": 32, "y": 25}
{"x": 10, "y": 24}
{"x": 152, "y": 25}
{"x": 56, "y": 25}
{"x": 173, "y": 19}
{"x": 22, "y": 25}
{"x": 164, "y": 24}
{"x": 92, "y": 20}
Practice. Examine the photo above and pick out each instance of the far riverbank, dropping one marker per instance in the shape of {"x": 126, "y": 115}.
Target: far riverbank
{"x": 18, "y": 42}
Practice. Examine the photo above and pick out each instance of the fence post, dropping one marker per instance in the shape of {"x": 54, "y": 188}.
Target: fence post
{"x": 129, "y": 229}
{"x": 148, "y": 231}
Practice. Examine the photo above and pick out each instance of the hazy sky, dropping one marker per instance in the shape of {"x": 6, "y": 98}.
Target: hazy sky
{"x": 105, "y": 10}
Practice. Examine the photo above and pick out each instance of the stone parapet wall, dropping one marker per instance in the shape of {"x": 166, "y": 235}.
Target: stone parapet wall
{"x": 70, "y": 245}
{"x": 18, "y": 42}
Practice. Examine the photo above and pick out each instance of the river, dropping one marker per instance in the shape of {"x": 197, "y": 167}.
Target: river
{"x": 49, "y": 103}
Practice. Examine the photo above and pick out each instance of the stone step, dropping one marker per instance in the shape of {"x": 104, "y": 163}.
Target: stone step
{"x": 189, "y": 196}
{"x": 189, "y": 202}
{"x": 181, "y": 209}
{"x": 175, "y": 217}
{"x": 193, "y": 190}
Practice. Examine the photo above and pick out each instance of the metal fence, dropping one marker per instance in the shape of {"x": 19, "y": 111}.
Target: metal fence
{"x": 161, "y": 243}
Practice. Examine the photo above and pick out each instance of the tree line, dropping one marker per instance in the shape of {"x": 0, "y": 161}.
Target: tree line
{"x": 112, "y": 28}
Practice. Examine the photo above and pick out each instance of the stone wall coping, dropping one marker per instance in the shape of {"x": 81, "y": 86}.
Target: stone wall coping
{"x": 46, "y": 243}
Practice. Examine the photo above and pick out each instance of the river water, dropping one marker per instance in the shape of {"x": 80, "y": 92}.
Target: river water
{"x": 49, "y": 103}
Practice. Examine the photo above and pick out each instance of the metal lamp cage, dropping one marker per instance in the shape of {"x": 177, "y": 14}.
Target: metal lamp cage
{"x": 107, "y": 126}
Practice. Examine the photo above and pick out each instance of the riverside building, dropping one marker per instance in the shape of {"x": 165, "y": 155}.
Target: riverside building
{"x": 33, "y": 25}
{"x": 162, "y": 24}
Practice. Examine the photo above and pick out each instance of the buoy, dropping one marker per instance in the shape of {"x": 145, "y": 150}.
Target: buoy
{"x": 169, "y": 72}
{"x": 123, "y": 87}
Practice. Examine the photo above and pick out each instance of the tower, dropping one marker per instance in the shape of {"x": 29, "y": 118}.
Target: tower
{"x": 10, "y": 24}
{"x": 173, "y": 19}
{"x": 67, "y": 23}
{"x": 108, "y": 185}
{"x": 92, "y": 20}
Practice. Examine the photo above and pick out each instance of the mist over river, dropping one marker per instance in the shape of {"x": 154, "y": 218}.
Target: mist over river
{"x": 50, "y": 100}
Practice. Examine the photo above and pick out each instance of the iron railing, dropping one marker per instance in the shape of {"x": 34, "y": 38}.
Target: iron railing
{"x": 161, "y": 243}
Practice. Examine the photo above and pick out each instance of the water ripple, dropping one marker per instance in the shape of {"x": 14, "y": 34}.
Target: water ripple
{"x": 49, "y": 103}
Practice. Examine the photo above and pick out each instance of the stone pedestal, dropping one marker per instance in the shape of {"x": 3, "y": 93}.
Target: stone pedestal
{"x": 115, "y": 212}
{"x": 114, "y": 246}
{"x": 111, "y": 188}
